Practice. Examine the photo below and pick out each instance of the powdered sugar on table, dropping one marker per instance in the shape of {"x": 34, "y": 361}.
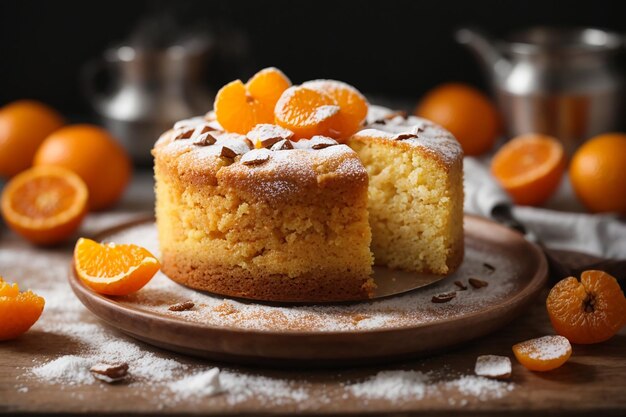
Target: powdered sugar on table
{"x": 76, "y": 341}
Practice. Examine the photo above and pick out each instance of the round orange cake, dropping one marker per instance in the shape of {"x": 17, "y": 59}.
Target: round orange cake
{"x": 263, "y": 217}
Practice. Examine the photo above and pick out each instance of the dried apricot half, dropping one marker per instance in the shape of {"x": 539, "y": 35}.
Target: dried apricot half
{"x": 591, "y": 310}
{"x": 113, "y": 269}
{"x": 307, "y": 112}
{"x": 544, "y": 353}
{"x": 239, "y": 107}
{"x": 353, "y": 106}
{"x": 18, "y": 310}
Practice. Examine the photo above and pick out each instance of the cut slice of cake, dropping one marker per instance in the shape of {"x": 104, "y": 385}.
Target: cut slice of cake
{"x": 287, "y": 222}
{"x": 415, "y": 192}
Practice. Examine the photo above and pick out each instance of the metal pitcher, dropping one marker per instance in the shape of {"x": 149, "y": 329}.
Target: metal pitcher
{"x": 562, "y": 82}
{"x": 148, "y": 90}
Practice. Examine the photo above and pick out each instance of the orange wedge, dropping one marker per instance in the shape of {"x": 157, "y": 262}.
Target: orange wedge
{"x": 45, "y": 204}
{"x": 113, "y": 269}
{"x": 18, "y": 310}
{"x": 530, "y": 168}
{"x": 543, "y": 353}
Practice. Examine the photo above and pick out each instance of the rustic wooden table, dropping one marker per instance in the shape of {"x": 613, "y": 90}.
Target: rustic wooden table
{"x": 592, "y": 381}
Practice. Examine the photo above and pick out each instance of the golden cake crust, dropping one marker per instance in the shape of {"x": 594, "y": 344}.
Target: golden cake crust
{"x": 286, "y": 175}
{"x": 237, "y": 282}
{"x": 412, "y": 133}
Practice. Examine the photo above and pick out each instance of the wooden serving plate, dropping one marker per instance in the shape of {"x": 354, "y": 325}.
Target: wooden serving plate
{"x": 390, "y": 328}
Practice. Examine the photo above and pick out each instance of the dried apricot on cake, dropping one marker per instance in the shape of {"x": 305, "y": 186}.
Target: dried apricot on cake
{"x": 307, "y": 112}
{"x": 113, "y": 269}
{"x": 353, "y": 106}
{"x": 239, "y": 107}
{"x": 591, "y": 310}
{"x": 18, "y": 310}
{"x": 544, "y": 353}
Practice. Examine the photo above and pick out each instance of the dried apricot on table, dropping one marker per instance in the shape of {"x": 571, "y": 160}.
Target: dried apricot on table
{"x": 353, "y": 106}
{"x": 45, "y": 204}
{"x": 239, "y": 107}
{"x": 113, "y": 269}
{"x": 530, "y": 168}
{"x": 544, "y": 353}
{"x": 307, "y": 112}
{"x": 591, "y": 310}
{"x": 18, "y": 310}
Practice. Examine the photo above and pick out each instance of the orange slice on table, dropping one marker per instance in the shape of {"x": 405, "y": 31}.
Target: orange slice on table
{"x": 353, "y": 106}
{"x": 18, "y": 310}
{"x": 45, "y": 204}
{"x": 543, "y": 353}
{"x": 113, "y": 269}
{"x": 530, "y": 168}
{"x": 591, "y": 310}
{"x": 239, "y": 107}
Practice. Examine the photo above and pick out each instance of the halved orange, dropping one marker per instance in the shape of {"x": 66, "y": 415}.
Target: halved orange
{"x": 113, "y": 269}
{"x": 239, "y": 107}
{"x": 353, "y": 106}
{"x": 18, "y": 310}
{"x": 45, "y": 204}
{"x": 530, "y": 168}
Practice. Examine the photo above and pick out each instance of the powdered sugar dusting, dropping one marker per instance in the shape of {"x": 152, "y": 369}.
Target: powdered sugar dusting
{"x": 400, "y": 385}
{"x": 428, "y": 135}
{"x": 481, "y": 388}
{"x": 266, "y": 131}
{"x": 392, "y": 385}
{"x": 201, "y": 384}
{"x": 325, "y": 112}
{"x": 331, "y": 85}
{"x": 294, "y": 172}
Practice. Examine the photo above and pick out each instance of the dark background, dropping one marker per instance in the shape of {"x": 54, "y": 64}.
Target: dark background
{"x": 386, "y": 48}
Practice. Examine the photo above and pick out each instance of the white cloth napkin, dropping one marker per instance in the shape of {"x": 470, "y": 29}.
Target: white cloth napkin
{"x": 559, "y": 225}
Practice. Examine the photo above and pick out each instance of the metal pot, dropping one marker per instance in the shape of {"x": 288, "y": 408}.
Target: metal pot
{"x": 148, "y": 90}
{"x": 562, "y": 82}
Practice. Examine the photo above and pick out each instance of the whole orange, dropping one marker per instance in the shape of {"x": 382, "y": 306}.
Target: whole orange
{"x": 92, "y": 153}
{"x": 466, "y": 112}
{"x": 24, "y": 124}
{"x": 598, "y": 175}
